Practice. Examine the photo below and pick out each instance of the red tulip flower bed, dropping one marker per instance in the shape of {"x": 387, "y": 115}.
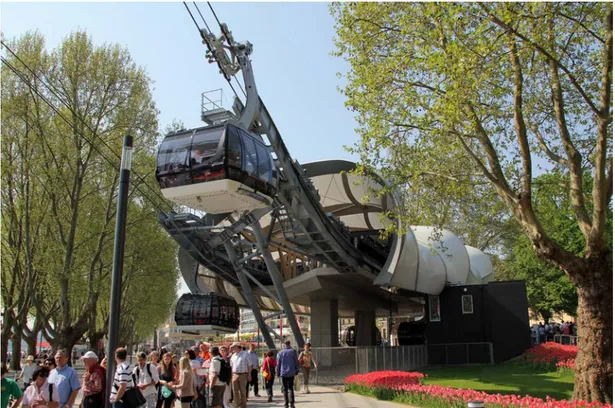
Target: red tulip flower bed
{"x": 550, "y": 356}
{"x": 408, "y": 388}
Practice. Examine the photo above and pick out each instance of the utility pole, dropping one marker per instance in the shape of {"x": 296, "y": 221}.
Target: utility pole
{"x": 118, "y": 263}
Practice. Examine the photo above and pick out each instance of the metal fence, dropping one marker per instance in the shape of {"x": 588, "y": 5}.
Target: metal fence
{"x": 565, "y": 339}
{"x": 460, "y": 353}
{"x": 336, "y": 363}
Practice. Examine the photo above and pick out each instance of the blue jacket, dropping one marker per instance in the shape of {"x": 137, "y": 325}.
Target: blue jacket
{"x": 288, "y": 363}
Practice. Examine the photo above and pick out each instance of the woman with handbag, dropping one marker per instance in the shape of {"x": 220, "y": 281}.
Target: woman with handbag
{"x": 185, "y": 386}
{"x": 166, "y": 398}
{"x": 269, "y": 365}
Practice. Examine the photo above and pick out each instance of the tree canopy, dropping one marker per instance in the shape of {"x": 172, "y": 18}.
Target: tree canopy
{"x": 450, "y": 96}
{"x": 64, "y": 115}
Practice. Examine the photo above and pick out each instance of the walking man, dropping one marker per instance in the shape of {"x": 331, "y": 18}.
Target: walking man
{"x": 254, "y": 373}
{"x": 147, "y": 378}
{"x": 66, "y": 379}
{"x": 242, "y": 369}
{"x": 288, "y": 368}
{"x": 217, "y": 378}
{"x": 26, "y": 372}
{"x": 122, "y": 380}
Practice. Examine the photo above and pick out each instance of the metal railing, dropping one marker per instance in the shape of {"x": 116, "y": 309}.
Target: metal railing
{"x": 460, "y": 353}
{"x": 565, "y": 339}
{"x": 336, "y": 363}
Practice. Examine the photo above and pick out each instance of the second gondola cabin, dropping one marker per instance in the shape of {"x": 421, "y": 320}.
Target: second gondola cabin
{"x": 216, "y": 169}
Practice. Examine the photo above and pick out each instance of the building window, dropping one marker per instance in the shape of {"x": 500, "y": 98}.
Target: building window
{"x": 434, "y": 308}
{"x": 467, "y": 304}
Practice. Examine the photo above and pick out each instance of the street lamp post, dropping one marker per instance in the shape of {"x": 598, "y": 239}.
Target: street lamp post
{"x": 118, "y": 262}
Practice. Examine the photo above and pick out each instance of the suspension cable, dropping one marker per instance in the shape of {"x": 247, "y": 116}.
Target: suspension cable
{"x": 207, "y": 43}
{"x": 90, "y": 142}
{"x": 193, "y": 19}
{"x": 203, "y": 18}
{"x": 228, "y": 40}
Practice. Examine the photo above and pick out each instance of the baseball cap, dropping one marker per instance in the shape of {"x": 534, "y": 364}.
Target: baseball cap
{"x": 89, "y": 354}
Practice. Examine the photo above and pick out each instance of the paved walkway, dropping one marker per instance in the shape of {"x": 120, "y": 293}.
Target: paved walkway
{"x": 325, "y": 398}
{"x": 320, "y": 397}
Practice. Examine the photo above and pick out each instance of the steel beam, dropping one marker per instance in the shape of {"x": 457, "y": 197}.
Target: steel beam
{"x": 278, "y": 283}
{"x": 247, "y": 291}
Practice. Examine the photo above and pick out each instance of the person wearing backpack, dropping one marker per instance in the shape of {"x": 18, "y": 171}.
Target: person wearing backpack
{"x": 41, "y": 393}
{"x": 93, "y": 382}
{"x": 219, "y": 376}
{"x": 146, "y": 375}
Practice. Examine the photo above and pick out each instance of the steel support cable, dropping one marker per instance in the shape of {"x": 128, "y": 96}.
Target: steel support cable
{"x": 54, "y": 93}
{"x": 207, "y": 43}
{"x": 202, "y": 18}
{"x": 228, "y": 40}
{"x": 69, "y": 123}
{"x": 193, "y": 19}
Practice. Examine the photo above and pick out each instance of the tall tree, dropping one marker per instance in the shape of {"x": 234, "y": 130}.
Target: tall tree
{"x": 98, "y": 95}
{"x": 499, "y": 92}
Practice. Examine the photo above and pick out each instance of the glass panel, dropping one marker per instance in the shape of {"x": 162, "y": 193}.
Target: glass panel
{"x": 205, "y": 146}
{"x": 264, "y": 162}
{"x": 434, "y": 308}
{"x": 173, "y": 154}
{"x": 233, "y": 144}
{"x": 250, "y": 158}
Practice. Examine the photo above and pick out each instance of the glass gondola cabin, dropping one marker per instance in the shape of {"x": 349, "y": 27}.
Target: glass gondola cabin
{"x": 216, "y": 169}
{"x": 209, "y": 312}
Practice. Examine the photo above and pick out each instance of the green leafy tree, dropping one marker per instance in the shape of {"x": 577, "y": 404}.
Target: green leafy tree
{"x": 64, "y": 163}
{"x": 497, "y": 93}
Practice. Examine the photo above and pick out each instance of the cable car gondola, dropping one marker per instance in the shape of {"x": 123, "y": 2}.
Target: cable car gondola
{"x": 216, "y": 169}
{"x": 209, "y": 312}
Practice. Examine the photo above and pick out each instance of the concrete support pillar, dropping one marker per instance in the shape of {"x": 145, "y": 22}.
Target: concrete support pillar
{"x": 323, "y": 322}
{"x": 365, "y": 327}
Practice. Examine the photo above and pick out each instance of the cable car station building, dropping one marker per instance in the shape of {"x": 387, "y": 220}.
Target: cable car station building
{"x": 277, "y": 236}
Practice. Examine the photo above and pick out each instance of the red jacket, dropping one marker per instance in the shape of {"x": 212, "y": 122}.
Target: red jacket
{"x": 269, "y": 365}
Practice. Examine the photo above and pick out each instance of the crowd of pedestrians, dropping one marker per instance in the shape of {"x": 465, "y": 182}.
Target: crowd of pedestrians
{"x": 205, "y": 376}
{"x": 544, "y": 332}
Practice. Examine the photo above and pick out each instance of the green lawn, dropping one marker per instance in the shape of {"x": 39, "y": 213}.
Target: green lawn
{"x": 505, "y": 378}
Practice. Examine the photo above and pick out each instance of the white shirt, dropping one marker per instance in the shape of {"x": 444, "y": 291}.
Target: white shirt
{"x": 240, "y": 362}
{"x": 144, "y": 378}
{"x": 26, "y": 373}
{"x": 123, "y": 375}
{"x": 215, "y": 367}
{"x": 33, "y": 393}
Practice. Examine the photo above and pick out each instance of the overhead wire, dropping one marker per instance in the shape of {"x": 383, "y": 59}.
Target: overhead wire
{"x": 202, "y": 18}
{"x": 228, "y": 40}
{"x": 207, "y": 43}
{"x": 69, "y": 123}
{"x": 193, "y": 19}
{"x": 72, "y": 125}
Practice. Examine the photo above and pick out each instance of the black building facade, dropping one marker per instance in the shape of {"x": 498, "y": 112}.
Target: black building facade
{"x": 495, "y": 313}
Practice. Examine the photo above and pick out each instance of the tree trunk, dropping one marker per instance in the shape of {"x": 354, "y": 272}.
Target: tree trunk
{"x": 31, "y": 342}
{"x": 16, "y": 352}
{"x": 546, "y": 316}
{"x": 594, "y": 365}
{"x": 66, "y": 342}
{"x": 95, "y": 338}
{"x": 4, "y": 345}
